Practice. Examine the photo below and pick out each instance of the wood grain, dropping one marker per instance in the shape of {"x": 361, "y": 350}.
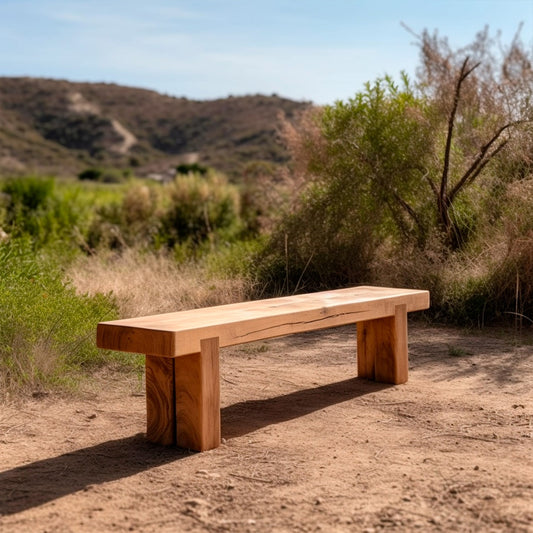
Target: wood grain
{"x": 176, "y": 334}
{"x": 382, "y": 353}
{"x": 197, "y": 380}
{"x": 160, "y": 400}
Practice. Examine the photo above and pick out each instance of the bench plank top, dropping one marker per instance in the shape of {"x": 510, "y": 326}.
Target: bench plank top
{"x": 179, "y": 333}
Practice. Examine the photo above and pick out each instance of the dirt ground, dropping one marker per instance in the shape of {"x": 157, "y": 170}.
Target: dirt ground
{"x": 307, "y": 446}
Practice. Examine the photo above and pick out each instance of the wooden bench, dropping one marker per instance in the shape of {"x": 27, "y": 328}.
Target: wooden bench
{"x": 182, "y": 349}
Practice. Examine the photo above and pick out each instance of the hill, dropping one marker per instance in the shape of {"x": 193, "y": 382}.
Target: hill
{"x": 63, "y": 127}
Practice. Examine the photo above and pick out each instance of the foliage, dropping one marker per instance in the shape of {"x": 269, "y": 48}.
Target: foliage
{"x": 482, "y": 111}
{"x": 200, "y": 209}
{"x": 46, "y": 329}
{"x": 103, "y": 175}
{"x": 411, "y": 183}
{"x": 236, "y": 261}
{"x": 195, "y": 168}
{"x": 128, "y": 219}
{"x": 33, "y": 207}
{"x": 92, "y": 174}
{"x": 363, "y": 172}
{"x": 191, "y": 214}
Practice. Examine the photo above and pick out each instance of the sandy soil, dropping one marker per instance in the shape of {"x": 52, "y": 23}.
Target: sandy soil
{"x": 307, "y": 447}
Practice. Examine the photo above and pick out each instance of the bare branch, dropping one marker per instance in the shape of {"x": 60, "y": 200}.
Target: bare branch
{"x": 479, "y": 163}
{"x": 411, "y": 212}
{"x": 431, "y": 184}
{"x": 463, "y": 74}
{"x": 478, "y": 170}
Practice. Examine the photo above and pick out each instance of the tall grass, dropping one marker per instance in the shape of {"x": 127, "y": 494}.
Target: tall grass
{"x": 149, "y": 283}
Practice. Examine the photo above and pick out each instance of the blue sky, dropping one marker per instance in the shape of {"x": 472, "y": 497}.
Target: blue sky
{"x": 318, "y": 50}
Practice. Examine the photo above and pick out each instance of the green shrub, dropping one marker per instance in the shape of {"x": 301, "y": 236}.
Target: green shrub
{"x": 194, "y": 168}
{"x": 29, "y": 193}
{"x": 91, "y": 174}
{"x": 128, "y": 220}
{"x": 191, "y": 215}
{"x": 47, "y": 331}
{"x": 236, "y": 260}
{"x": 27, "y": 203}
{"x": 108, "y": 175}
{"x": 34, "y": 207}
{"x": 200, "y": 209}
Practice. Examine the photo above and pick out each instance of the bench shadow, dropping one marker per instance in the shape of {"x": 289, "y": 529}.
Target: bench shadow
{"x": 40, "y": 482}
{"x": 245, "y": 417}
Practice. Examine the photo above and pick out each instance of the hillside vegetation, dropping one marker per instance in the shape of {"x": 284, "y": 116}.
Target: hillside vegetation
{"x": 61, "y": 127}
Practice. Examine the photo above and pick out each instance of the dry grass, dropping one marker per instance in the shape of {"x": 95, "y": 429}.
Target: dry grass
{"x": 145, "y": 284}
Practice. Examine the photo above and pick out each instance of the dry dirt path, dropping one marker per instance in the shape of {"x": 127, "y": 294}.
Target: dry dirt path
{"x": 307, "y": 447}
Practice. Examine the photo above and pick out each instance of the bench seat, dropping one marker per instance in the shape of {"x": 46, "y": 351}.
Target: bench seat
{"x": 182, "y": 349}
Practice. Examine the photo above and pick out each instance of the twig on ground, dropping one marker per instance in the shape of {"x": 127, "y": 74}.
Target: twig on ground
{"x": 250, "y": 478}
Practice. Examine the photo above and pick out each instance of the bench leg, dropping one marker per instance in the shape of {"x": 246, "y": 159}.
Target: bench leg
{"x": 382, "y": 348}
{"x": 197, "y": 382}
{"x": 160, "y": 400}
{"x": 183, "y": 399}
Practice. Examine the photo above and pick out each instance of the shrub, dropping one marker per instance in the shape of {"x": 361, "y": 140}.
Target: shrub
{"x": 91, "y": 174}
{"x": 109, "y": 175}
{"x": 192, "y": 214}
{"x": 200, "y": 209}
{"x": 512, "y": 275}
{"x": 32, "y": 208}
{"x": 194, "y": 168}
{"x": 27, "y": 203}
{"x": 129, "y": 219}
{"x": 46, "y": 329}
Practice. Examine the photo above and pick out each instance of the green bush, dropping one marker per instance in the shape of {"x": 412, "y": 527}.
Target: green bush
{"x": 236, "y": 260}
{"x": 34, "y": 207}
{"x": 47, "y": 331}
{"x": 199, "y": 210}
{"x": 91, "y": 174}
{"x": 194, "y": 168}
{"x": 127, "y": 220}
{"x": 104, "y": 175}
{"x": 27, "y": 203}
{"x": 192, "y": 214}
